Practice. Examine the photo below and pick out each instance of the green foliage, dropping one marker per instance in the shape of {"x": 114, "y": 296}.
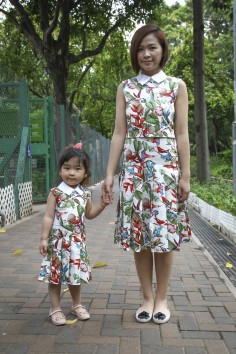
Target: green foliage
{"x": 97, "y": 95}
{"x": 94, "y": 94}
{"x": 219, "y": 87}
{"x": 219, "y": 190}
{"x": 216, "y": 193}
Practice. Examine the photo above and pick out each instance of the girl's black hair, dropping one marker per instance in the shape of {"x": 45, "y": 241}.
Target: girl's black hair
{"x": 81, "y": 155}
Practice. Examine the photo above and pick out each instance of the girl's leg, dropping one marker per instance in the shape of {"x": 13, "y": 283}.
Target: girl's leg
{"x": 163, "y": 266}
{"x": 77, "y": 309}
{"x": 54, "y": 292}
{"x": 144, "y": 267}
{"x": 55, "y": 312}
{"x": 75, "y": 291}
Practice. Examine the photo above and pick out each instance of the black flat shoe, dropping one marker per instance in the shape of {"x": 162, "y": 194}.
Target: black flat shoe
{"x": 143, "y": 316}
{"x": 160, "y": 317}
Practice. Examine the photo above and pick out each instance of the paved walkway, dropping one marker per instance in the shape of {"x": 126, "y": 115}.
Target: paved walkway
{"x": 203, "y": 309}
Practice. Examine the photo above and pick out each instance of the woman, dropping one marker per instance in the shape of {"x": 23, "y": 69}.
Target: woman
{"x": 151, "y": 128}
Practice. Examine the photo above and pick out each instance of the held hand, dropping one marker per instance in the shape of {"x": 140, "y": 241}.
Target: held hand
{"x": 43, "y": 247}
{"x": 183, "y": 189}
{"x": 104, "y": 202}
{"x": 107, "y": 190}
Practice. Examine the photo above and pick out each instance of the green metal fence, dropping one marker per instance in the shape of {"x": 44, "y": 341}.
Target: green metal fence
{"x": 15, "y": 170}
{"x": 33, "y": 133}
{"x": 40, "y": 151}
{"x": 51, "y": 130}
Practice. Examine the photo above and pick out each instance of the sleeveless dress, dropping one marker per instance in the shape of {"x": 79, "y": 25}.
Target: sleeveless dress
{"x": 149, "y": 215}
{"x": 67, "y": 260}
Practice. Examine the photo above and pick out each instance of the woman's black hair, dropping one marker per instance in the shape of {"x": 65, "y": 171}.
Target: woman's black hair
{"x": 81, "y": 155}
{"x": 138, "y": 36}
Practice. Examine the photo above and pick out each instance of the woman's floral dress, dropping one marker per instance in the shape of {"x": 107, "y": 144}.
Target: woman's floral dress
{"x": 149, "y": 215}
{"x": 67, "y": 260}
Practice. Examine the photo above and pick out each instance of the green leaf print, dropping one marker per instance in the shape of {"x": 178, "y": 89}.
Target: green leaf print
{"x": 80, "y": 210}
{"x": 138, "y": 195}
{"x": 172, "y": 85}
{"x": 128, "y": 210}
{"x": 157, "y": 125}
{"x": 136, "y": 145}
{"x": 146, "y": 216}
{"x": 139, "y": 86}
{"x": 128, "y": 96}
{"x": 151, "y": 118}
{"x": 127, "y": 201}
{"x": 149, "y": 106}
{"x": 168, "y": 180}
{"x": 145, "y": 146}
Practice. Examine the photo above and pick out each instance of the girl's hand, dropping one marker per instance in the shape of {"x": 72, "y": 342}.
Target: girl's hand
{"x": 43, "y": 247}
{"x": 183, "y": 188}
{"x": 107, "y": 190}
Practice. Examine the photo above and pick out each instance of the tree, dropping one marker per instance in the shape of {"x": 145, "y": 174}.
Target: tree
{"x": 68, "y": 32}
{"x": 201, "y": 132}
{"x": 97, "y": 94}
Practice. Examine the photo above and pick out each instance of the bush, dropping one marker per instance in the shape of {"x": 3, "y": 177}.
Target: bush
{"x": 217, "y": 192}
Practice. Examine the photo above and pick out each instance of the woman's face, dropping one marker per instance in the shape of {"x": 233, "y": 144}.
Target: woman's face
{"x": 149, "y": 55}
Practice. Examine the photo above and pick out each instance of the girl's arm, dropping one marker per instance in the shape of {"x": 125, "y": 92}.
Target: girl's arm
{"x": 182, "y": 139}
{"x": 117, "y": 142}
{"x": 92, "y": 211}
{"x": 47, "y": 223}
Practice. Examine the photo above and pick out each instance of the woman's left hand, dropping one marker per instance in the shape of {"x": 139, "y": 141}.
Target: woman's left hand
{"x": 183, "y": 189}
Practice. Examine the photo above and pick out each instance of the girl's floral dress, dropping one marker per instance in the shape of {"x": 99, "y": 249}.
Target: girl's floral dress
{"x": 149, "y": 215}
{"x": 67, "y": 260}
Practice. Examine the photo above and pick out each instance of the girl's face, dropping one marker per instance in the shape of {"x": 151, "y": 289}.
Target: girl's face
{"x": 73, "y": 172}
{"x": 149, "y": 55}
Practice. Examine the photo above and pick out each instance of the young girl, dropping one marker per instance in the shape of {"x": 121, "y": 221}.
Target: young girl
{"x": 63, "y": 238}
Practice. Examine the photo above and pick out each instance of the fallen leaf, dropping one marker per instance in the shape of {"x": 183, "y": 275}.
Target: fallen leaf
{"x": 229, "y": 265}
{"x": 2, "y": 230}
{"x": 112, "y": 223}
{"x": 71, "y": 321}
{"x": 99, "y": 264}
{"x": 17, "y": 252}
{"x": 229, "y": 254}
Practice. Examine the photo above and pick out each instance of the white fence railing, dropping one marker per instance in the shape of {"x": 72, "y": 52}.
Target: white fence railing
{"x": 8, "y": 202}
{"x": 225, "y": 222}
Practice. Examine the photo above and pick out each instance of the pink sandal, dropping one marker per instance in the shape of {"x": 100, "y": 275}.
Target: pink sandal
{"x": 57, "y": 317}
{"x": 81, "y": 312}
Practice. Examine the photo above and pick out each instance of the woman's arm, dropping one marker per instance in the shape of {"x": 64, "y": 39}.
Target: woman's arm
{"x": 47, "y": 223}
{"x": 117, "y": 142}
{"x": 182, "y": 139}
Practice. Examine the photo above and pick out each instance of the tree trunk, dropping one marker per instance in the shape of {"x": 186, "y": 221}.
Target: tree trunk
{"x": 59, "y": 86}
{"x": 201, "y": 132}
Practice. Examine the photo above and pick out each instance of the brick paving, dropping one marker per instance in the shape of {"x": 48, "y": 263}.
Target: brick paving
{"x": 201, "y": 299}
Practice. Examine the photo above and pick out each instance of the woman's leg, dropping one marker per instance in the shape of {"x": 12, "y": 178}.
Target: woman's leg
{"x": 54, "y": 292}
{"x": 163, "y": 266}
{"x": 144, "y": 267}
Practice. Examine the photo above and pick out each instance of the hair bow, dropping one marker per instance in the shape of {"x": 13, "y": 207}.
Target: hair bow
{"x": 76, "y": 146}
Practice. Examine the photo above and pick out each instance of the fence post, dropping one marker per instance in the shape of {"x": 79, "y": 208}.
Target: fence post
{"x": 63, "y": 127}
{"x": 25, "y": 121}
{"x": 21, "y": 167}
{"x": 51, "y": 142}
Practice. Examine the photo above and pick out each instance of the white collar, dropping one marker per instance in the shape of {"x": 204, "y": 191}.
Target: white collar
{"x": 159, "y": 77}
{"x": 67, "y": 189}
